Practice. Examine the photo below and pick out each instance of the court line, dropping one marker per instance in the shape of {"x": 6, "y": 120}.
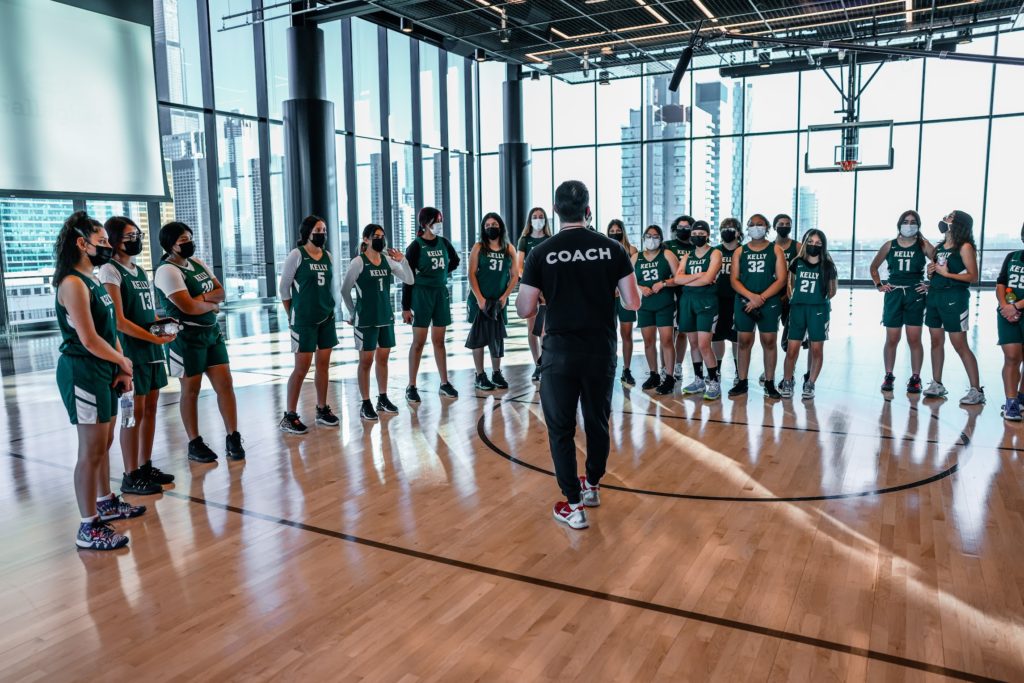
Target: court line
{"x": 780, "y": 634}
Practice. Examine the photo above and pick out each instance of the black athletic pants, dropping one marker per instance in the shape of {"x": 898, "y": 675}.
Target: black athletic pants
{"x": 568, "y": 382}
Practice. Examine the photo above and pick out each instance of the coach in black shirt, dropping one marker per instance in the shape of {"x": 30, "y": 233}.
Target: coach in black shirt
{"x": 578, "y": 272}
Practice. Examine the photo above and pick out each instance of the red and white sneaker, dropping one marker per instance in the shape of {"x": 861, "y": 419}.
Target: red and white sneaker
{"x": 575, "y": 517}
{"x": 590, "y": 496}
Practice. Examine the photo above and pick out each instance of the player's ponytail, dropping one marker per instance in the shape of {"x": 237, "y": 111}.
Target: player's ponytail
{"x": 66, "y": 253}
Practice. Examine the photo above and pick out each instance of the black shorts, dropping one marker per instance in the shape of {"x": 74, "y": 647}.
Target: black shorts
{"x": 724, "y": 330}
{"x": 538, "y": 321}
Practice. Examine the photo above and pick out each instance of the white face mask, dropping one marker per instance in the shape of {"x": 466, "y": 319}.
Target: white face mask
{"x": 909, "y": 229}
{"x": 651, "y": 243}
{"x": 757, "y": 232}
{"x": 538, "y": 225}
{"x": 436, "y": 228}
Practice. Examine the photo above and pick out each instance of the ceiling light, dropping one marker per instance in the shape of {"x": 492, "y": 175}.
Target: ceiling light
{"x": 535, "y": 76}
{"x": 504, "y": 35}
{"x": 603, "y": 78}
{"x": 764, "y": 60}
{"x": 479, "y": 55}
{"x": 965, "y": 37}
{"x": 909, "y": 6}
{"x": 405, "y": 25}
{"x": 705, "y": 10}
{"x": 842, "y": 55}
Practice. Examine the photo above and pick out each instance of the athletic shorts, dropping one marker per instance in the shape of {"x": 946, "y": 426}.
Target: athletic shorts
{"x": 1009, "y": 333}
{"x": 697, "y": 312}
{"x": 431, "y": 306}
{"x": 948, "y": 309}
{"x": 808, "y": 321}
{"x": 538, "y": 321}
{"x": 724, "y": 331}
{"x": 662, "y": 317}
{"x": 309, "y": 338}
{"x": 373, "y": 338}
{"x": 84, "y": 385}
{"x": 624, "y": 315}
{"x": 472, "y": 308}
{"x": 196, "y": 349}
{"x": 149, "y": 377}
{"x": 765, "y": 319}
{"x": 904, "y": 306}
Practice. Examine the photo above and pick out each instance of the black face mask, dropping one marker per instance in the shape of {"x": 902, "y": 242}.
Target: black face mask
{"x": 377, "y": 244}
{"x": 699, "y": 240}
{"x": 102, "y": 255}
{"x": 187, "y": 249}
{"x": 813, "y": 250}
{"x": 783, "y": 230}
{"x": 683, "y": 234}
{"x": 617, "y": 236}
{"x": 318, "y": 239}
{"x": 943, "y": 227}
{"x": 133, "y": 248}
{"x": 492, "y": 233}
{"x": 728, "y": 235}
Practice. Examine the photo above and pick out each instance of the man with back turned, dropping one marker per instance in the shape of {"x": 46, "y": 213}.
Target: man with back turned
{"x": 578, "y": 272}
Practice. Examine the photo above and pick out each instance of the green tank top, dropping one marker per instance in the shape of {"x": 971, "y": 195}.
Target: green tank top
{"x": 724, "y": 283}
{"x": 432, "y": 269}
{"x": 757, "y": 268}
{"x": 955, "y": 264}
{"x": 680, "y": 249}
{"x": 648, "y": 273}
{"x": 373, "y": 294}
{"x": 137, "y": 304}
{"x": 312, "y": 299}
{"x": 808, "y": 287}
{"x": 197, "y": 281}
{"x": 906, "y": 264}
{"x": 101, "y": 308}
{"x": 493, "y": 271}
{"x": 790, "y": 252}
{"x": 526, "y": 244}
{"x": 698, "y": 264}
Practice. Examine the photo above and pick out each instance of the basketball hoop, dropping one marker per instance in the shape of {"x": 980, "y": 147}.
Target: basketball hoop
{"x": 847, "y": 164}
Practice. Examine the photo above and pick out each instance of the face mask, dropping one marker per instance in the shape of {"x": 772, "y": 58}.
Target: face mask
{"x": 187, "y": 249}
{"x": 319, "y": 239}
{"x": 538, "y": 225}
{"x": 492, "y": 233}
{"x": 133, "y": 248}
{"x": 377, "y": 244}
{"x": 683, "y": 234}
{"x": 909, "y": 229}
{"x": 757, "y": 232}
{"x": 617, "y": 236}
{"x": 436, "y": 228}
{"x": 102, "y": 255}
{"x": 943, "y": 227}
{"x": 728, "y": 235}
{"x": 783, "y": 230}
{"x": 651, "y": 243}
{"x": 814, "y": 250}
{"x": 698, "y": 240}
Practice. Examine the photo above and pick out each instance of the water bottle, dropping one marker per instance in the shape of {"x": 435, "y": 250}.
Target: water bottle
{"x": 127, "y": 408}
{"x": 165, "y": 327}
{"x": 941, "y": 258}
{"x": 1010, "y": 295}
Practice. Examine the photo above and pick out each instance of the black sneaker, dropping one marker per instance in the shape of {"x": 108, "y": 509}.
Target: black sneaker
{"x": 384, "y": 405}
{"x": 154, "y": 474}
{"x": 739, "y": 388}
{"x": 291, "y": 424}
{"x": 233, "y": 444}
{"x": 667, "y": 385}
{"x": 198, "y": 451}
{"x": 627, "y": 378}
{"x": 913, "y": 385}
{"x": 653, "y": 382}
{"x": 411, "y": 395}
{"x": 498, "y": 380}
{"x": 890, "y": 379}
{"x": 366, "y": 412}
{"x": 769, "y": 389}
{"x": 448, "y": 391}
{"x": 137, "y": 484}
{"x": 324, "y": 416}
{"x": 482, "y": 383}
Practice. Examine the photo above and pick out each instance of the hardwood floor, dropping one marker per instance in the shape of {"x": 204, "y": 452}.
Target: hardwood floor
{"x": 852, "y": 538}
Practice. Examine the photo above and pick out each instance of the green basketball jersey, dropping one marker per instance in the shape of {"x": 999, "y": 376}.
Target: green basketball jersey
{"x": 680, "y": 249}
{"x": 698, "y": 264}
{"x": 432, "y": 269}
{"x": 650, "y": 272}
{"x": 954, "y": 263}
{"x": 373, "y": 294}
{"x": 197, "y": 281}
{"x": 808, "y": 287}
{"x": 137, "y": 304}
{"x": 906, "y": 264}
{"x": 757, "y": 268}
{"x": 724, "y": 283}
{"x": 312, "y": 300}
{"x": 493, "y": 272}
{"x": 526, "y": 244}
{"x": 790, "y": 252}
{"x": 101, "y": 307}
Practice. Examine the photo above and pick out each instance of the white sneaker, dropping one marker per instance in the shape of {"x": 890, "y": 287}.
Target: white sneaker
{"x": 590, "y": 496}
{"x": 975, "y": 396}
{"x": 935, "y": 390}
{"x": 808, "y": 390}
{"x": 712, "y": 390}
{"x": 760, "y": 380}
{"x": 786, "y": 388}
{"x": 694, "y": 387}
{"x": 678, "y": 374}
{"x": 576, "y": 518}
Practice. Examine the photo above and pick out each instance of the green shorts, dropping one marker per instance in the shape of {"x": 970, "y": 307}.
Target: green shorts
{"x": 661, "y": 317}
{"x": 84, "y": 385}
{"x": 373, "y": 338}
{"x": 767, "y": 322}
{"x": 149, "y": 377}
{"x": 1009, "y": 333}
{"x": 903, "y": 306}
{"x": 309, "y": 338}
{"x": 625, "y": 316}
{"x": 431, "y": 306}
{"x": 194, "y": 350}
{"x": 948, "y": 309}
{"x": 698, "y": 311}
{"x": 472, "y": 308}
{"x": 809, "y": 321}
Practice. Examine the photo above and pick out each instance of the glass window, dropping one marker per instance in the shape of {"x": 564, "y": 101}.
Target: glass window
{"x": 666, "y": 176}
{"x": 1009, "y": 85}
{"x": 366, "y": 77}
{"x": 541, "y": 191}
{"x": 992, "y": 263}
{"x": 894, "y": 93}
{"x": 576, "y": 164}
{"x": 456, "y": 223}
{"x": 276, "y": 45}
{"x": 490, "y": 184}
{"x": 29, "y": 229}
{"x": 334, "y": 73}
{"x": 573, "y": 114}
{"x": 457, "y": 102}
{"x": 666, "y": 114}
{"x": 953, "y": 88}
{"x": 284, "y": 235}
{"x": 492, "y": 105}
{"x": 185, "y": 164}
{"x": 1003, "y": 213}
{"x": 403, "y": 197}
{"x": 369, "y": 183}
{"x": 345, "y": 248}
{"x": 102, "y": 210}
{"x": 400, "y": 87}
{"x": 234, "y": 61}
{"x": 825, "y": 201}
{"x": 617, "y": 107}
{"x": 770, "y": 103}
{"x": 769, "y": 176}
{"x": 717, "y": 178}
{"x": 430, "y": 95}
{"x": 819, "y": 98}
{"x": 537, "y": 111}
{"x": 176, "y": 33}
{"x": 952, "y": 172}
{"x": 241, "y": 208}
{"x": 617, "y": 179}
{"x": 432, "y": 187}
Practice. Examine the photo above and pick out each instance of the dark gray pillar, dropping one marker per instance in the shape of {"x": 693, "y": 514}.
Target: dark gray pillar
{"x": 514, "y": 156}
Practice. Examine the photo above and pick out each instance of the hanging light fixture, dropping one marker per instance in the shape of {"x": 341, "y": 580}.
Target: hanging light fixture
{"x": 405, "y": 25}
{"x": 479, "y": 55}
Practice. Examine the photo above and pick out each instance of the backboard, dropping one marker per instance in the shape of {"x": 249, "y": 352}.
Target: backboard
{"x": 838, "y": 147}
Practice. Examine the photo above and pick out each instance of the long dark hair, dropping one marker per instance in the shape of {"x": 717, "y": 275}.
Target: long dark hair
{"x": 917, "y": 217}
{"x": 169, "y": 235}
{"x": 66, "y": 253}
{"x": 826, "y": 266}
{"x": 962, "y": 230}
{"x": 625, "y": 236}
{"x": 115, "y": 227}
{"x": 655, "y": 228}
{"x": 368, "y": 234}
{"x": 529, "y": 222}
{"x": 428, "y": 216}
{"x": 306, "y": 227}
{"x": 503, "y": 235}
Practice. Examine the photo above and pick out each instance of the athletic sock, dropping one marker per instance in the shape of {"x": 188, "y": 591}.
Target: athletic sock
{"x": 109, "y": 496}
{"x": 698, "y": 369}
{"x": 713, "y": 373}
{"x": 89, "y": 520}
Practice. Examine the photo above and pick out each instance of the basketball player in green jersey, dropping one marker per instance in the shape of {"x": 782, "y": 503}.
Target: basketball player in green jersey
{"x": 536, "y": 231}
{"x": 91, "y": 372}
{"x": 307, "y": 298}
{"x": 731, "y": 236}
{"x": 654, "y": 268}
{"x": 812, "y": 284}
{"x": 132, "y": 297}
{"x": 492, "y": 277}
{"x": 783, "y": 225}
{"x": 758, "y": 276}
{"x": 372, "y": 315}
{"x": 426, "y": 303}
{"x": 680, "y": 246}
{"x": 188, "y": 292}
{"x": 905, "y": 258}
{"x": 947, "y": 304}
{"x": 698, "y": 308}
{"x": 1011, "y": 330}
{"x": 616, "y": 230}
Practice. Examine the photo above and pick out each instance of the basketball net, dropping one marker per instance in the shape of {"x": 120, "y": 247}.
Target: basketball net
{"x": 847, "y": 164}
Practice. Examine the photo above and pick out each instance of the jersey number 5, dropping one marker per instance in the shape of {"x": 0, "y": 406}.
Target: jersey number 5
{"x": 320, "y": 281}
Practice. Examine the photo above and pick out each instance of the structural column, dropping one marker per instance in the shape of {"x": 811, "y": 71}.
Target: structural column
{"x": 514, "y": 156}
